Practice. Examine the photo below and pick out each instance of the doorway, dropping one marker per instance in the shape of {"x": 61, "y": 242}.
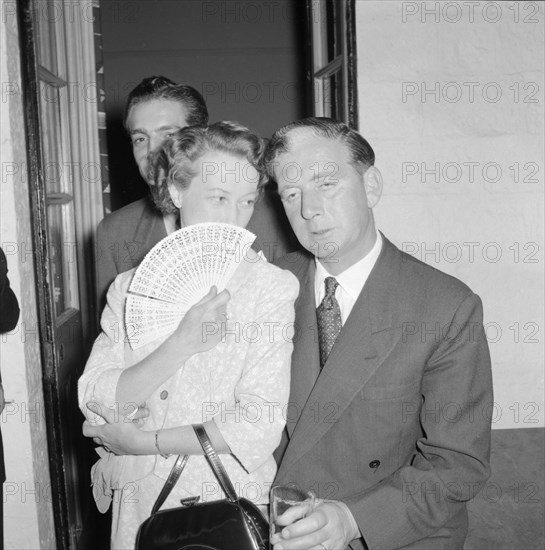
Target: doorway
{"x": 260, "y": 53}
{"x": 62, "y": 149}
{"x": 248, "y": 59}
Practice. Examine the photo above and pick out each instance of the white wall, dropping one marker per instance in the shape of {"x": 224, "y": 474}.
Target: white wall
{"x": 28, "y": 516}
{"x": 451, "y": 87}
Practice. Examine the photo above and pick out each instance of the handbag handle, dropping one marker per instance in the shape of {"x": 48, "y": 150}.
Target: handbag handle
{"x": 212, "y": 458}
{"x": 173, "y": 476}
{"x": 215, "y": 462}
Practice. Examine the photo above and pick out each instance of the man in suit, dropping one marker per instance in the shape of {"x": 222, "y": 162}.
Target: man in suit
{"x": 391, "y": 389}
{"x": 9, "y": 315}
{"x": 156, "y": 108}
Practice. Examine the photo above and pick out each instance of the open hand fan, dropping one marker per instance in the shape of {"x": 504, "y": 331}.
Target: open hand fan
{"x": 177, "y": 272}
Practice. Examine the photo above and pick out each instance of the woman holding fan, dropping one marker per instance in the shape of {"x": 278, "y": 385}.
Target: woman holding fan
{"x": 226, "y": 365}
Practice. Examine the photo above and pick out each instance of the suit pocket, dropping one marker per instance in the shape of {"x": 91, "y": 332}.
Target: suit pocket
{"x": 390, "y": 391}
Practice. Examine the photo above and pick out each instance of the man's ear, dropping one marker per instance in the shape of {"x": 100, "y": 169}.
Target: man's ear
{"x": 372, "y": 179}
{"x": 175, "y": 194}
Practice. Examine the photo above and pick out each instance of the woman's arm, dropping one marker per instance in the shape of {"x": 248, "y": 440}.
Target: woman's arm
{"x": 252, "y": 428}
{"x": 138, "y": 382}
{"x": 107, "y": 380}
{"x": 122, "y": 437}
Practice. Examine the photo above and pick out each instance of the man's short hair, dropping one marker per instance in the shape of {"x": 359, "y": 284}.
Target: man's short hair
{"x": 161, "y": 87}
{"x": 175, "y": 161}
{"x": 361, "y": 153}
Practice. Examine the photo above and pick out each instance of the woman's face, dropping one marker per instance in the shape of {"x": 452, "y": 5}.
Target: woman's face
{"x": 223, "y": 190}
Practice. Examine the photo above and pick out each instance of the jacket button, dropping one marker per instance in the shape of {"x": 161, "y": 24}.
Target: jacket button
{"x": 374, "y": 464}
{"x": 164, "y": 395}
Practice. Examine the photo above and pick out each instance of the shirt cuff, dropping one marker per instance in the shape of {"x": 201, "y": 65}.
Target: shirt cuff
{"x": 355, "y": 532}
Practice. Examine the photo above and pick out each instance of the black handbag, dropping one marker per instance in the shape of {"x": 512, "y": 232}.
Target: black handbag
{"x": 229, "y": 524}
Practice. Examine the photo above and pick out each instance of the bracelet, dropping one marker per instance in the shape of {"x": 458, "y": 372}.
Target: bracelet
{"x": 157, "y": 445}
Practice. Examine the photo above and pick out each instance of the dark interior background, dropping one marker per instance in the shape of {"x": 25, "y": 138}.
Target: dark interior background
{"x": 247, "y": 58}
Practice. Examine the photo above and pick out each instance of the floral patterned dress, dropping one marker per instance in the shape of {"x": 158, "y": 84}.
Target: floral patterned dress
{"x": 242, "y": 384}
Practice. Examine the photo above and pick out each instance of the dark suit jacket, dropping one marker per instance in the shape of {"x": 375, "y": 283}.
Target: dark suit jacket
{"x": 9, "y": 307}
{"x": 125, "y": 236}
{"x": 9, "y": 315}
{"x": 397, "y": 425}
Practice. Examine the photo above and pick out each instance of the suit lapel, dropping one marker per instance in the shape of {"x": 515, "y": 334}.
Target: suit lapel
{"x": 150, "y": 229}
{"x": 306, "y": 354}
{"x": 363, "y": 344}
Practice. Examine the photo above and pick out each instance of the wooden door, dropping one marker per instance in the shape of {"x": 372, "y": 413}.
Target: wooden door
{"x": 57, "y": 130}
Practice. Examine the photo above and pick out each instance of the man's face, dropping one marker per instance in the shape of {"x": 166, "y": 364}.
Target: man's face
{"x": 328, "y": 202}
{"x": 149, "y": 123}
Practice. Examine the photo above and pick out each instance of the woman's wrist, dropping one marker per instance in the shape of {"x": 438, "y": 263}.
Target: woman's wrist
{"x": 158, "y": 446}
{"x": 145, "y": 443}
{"x": 178, "y": 346}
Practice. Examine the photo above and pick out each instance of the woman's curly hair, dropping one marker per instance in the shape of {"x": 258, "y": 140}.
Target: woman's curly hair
{"x": 175, "y": 162}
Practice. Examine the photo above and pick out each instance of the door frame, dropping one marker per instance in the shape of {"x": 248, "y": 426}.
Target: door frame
{"x": 40, "y": 241}
{"x": 69, "y": 535}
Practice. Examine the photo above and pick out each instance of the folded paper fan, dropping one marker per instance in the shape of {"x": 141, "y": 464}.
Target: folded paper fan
{"x": 177, "y": 272}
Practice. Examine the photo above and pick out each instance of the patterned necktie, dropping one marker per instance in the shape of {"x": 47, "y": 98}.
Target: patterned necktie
{"x": 328, "y": 314}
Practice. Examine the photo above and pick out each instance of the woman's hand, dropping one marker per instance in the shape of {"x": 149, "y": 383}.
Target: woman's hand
{"x": 119, "y": 435}
{"x": 201, "y": 329}
{"x": 203, "y": 326}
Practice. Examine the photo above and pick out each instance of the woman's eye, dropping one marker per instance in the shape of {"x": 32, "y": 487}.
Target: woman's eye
{"x": 248, "y": 203}
{"x": 219, "y": 198}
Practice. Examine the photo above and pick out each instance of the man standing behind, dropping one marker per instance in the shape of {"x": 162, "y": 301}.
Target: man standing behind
{"x": 390, "y": 415}
{"x": 155, "y": 109}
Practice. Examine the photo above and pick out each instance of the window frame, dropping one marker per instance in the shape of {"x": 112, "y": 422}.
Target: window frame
{"x": 344, "y": 62}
